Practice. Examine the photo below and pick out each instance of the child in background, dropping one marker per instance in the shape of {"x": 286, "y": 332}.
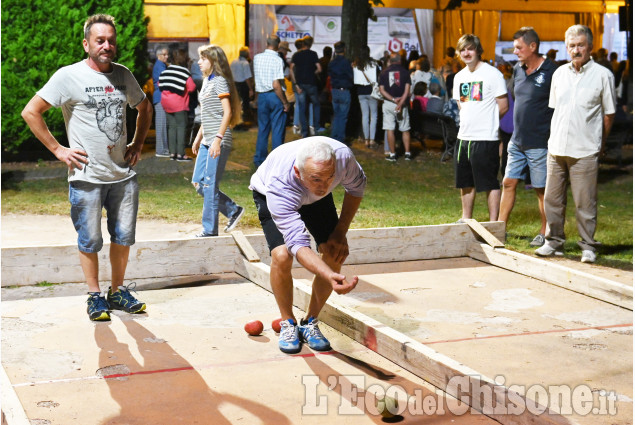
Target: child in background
{"x": 220, "y": 108}
{"x": 420, "y": 101}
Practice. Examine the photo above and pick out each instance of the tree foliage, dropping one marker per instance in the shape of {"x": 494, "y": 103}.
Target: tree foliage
{"x": 41, "y": 36}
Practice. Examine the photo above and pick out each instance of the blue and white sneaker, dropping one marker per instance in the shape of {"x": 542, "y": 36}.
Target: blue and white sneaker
{"x": 289, "y": 340}
{"x": 310, "y": 333}
{"x": 122, "y": 299}
{"x": 97, "y": 306}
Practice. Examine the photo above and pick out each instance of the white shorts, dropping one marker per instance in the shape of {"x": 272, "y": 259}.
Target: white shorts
{"x": 390, "y": 117}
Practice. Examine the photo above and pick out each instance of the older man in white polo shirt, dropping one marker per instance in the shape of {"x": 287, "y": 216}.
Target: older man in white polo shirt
{"x": 583, "y": 98}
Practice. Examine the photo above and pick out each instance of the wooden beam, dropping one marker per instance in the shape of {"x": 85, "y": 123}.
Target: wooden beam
{"x": 441, "y": 371}
{"x": 484, "y": 233}
{"x": 565, "y": 277}
{"x": 12, "y": 410}
{"x": 150, "y": 259}
{"x": 245, "y": 247}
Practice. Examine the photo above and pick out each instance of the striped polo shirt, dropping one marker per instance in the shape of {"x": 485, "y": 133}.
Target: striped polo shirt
{"x": 214, "y": 89}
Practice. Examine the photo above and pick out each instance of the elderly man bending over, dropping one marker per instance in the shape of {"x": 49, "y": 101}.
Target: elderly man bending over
{"x": 292, "y": 191}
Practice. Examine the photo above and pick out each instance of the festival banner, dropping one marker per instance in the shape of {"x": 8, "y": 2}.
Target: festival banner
{"x": 378, "y": 31}
{"x": 328, "y": 29}
{"x": 292, "y": 27}
{"x": 402, "y": 34}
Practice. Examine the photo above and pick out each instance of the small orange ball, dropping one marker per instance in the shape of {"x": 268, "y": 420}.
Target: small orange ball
{"x": 275, "y": 325}
{"x": 254, "y": 327}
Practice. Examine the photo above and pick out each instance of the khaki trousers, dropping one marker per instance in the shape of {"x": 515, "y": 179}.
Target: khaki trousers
{"x": 582, "y": 173}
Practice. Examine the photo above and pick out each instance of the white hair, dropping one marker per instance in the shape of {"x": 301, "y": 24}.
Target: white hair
{"x": 316, "y": 149}
{"x": 576, "y": 30}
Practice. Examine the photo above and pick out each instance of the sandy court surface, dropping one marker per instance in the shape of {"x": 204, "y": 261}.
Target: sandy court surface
{"x": 187, "y": 360}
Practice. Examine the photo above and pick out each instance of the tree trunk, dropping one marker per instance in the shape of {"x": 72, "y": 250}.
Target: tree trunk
{"x": 355, "y": 15}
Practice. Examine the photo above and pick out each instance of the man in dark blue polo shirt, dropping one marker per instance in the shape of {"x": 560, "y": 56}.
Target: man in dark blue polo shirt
{"x": 341, "y": 73}
{"x": 532, "y": 122}
{"x": 305, "y": 65}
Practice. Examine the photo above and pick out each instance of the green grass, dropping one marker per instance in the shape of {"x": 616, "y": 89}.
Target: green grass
{"x": 420, "y": 192}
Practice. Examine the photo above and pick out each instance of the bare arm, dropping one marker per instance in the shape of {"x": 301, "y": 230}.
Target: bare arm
{"x": 32, "y": 114}
{"x": 606, "y": 129}
{"x": 313, "y": 263}
{"x": 404, "y": 98}
{"x": 292, "y": 78}
{"x": 144, "y": 119}
{"x": 384, "y": 93}
{"x": 337, "y": 244}
{"x": 250, "y": 84}
{"x": 197, "y": 141}
{"x": 277, "y": 88}
{"x": 214, "y": 149}
{"x": 503, "y": 105}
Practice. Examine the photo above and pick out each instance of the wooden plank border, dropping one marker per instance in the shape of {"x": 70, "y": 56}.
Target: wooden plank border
{"x": 198, "y": 256}
{"x": 484, "y": 233}
{"x": 12, "y": 410}
{"x": 441, "y": 371}
{"x": 565, "y": 277}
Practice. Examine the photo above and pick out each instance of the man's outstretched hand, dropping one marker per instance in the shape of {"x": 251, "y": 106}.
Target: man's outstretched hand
{"x": 341, "y": 285}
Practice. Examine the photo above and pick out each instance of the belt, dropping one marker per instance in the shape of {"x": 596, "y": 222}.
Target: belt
{"x": 339, "y": 88}
{"x": 268, "y": 91}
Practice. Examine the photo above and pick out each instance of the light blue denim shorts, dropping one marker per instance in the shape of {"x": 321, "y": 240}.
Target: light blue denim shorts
{"x": 121, "y": 201}
{"x": 518, "y": 159}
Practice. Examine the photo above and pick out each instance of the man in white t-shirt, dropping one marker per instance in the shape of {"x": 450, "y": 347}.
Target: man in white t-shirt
{"x": 93, "y": 95}
{"x": 583, "y": 97}
{"x": 481, "y": 94}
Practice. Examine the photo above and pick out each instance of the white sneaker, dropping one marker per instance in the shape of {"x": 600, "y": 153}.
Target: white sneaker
{"x": 296, "y": 129}
{"x": 588, "y": 256}
{"x": 539, "y": 240}
{"x": 547, "y": 251}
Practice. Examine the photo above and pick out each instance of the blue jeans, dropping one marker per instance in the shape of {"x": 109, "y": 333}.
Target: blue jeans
{"x": 518, "y": 159}
{"x": 341, "y": 106}
{"x": 121, "y": 201}
{"x": 271, "y": 119}
{"x": 368, "y": 106}
{"x": 311, "y": 92}
{"x": 296, "y": 112}
{"x": 208, "y": 173}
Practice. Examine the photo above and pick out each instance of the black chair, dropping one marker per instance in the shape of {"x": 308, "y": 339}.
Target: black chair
{"x": 436, "y": 126}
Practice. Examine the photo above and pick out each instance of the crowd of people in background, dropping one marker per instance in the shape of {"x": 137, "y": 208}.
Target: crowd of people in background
{"x": 551, "y": 142}
{"x": 378, "y": 102}
{"x": 317, "y": 104}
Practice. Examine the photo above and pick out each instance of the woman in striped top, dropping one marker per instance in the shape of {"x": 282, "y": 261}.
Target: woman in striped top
{"x": 220, "y": 109}
{"x": 176, "y": 84}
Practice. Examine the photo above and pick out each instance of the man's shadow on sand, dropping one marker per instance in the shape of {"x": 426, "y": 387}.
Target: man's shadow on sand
{"x": 177, "y": 394}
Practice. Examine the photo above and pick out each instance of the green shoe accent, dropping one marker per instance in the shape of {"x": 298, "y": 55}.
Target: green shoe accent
{"x": 104, "y": 316}
{"x": 97, "y": 307}
{"x": 122, "y": 299}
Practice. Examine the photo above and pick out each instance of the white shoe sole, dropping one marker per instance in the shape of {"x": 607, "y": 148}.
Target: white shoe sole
{"x": 230, "y": 228}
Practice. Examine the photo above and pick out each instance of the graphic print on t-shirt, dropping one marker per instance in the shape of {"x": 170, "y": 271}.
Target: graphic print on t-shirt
{"x": 393, "y": 79}
{"x": 109, "y": 116}
{"x": 472, "y": 91}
